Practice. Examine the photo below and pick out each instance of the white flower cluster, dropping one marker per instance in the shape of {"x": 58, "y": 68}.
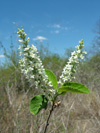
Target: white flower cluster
{"x": 32, "y": 68}
{"x": 31, "y": 65}
{"x": 70, "y": 68}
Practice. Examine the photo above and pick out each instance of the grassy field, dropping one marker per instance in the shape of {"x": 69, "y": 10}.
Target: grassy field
{"x": 78, "y": 113}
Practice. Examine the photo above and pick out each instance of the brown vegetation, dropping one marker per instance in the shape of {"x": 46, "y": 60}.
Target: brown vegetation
{"x": 77, "y": 113}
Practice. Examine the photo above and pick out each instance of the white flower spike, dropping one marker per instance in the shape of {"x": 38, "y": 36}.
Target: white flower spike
{"x": 31, "y": 65}
{"x": 70, "y": 68}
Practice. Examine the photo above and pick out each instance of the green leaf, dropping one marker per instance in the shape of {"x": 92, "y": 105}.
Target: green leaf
{"x": 37, "y": 103}
{"x": 44, "y": 103}
{"x": 62, "y": 93}
{"x": 51, "y": 77}
{"x": 74, "y": 87}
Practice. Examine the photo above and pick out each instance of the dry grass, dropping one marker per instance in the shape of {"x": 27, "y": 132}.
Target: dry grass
{"x": 78, "y": 113}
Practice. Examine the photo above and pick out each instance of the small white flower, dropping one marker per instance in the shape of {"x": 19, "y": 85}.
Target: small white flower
{"x": 79, "y": 51}
{"x": 21, "y": 41}
{"x": 32, "y": 55}
{"x": 77, "y": 47}
{"x": 26, "y": 49}
{"x": 52, "y": 90}
{"x": 76, "y": 56}
{"x": 81, "y": 56}
{"x": 73, "y": 53}
{"x": 84, "y": 52}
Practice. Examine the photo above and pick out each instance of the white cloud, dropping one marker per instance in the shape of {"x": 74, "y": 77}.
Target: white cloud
{"x": 1, "y": 56}
{"x": 14, "y": 22}
{"x": 40, "y": 38}
{"x": 56, "y": 26}
{"x": 64, "y": 28}
{"x": 56, "y": 31}
{"x": 39, "y": 31}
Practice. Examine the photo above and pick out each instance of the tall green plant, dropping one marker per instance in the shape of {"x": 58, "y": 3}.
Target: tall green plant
{"x": 45, "y": 80}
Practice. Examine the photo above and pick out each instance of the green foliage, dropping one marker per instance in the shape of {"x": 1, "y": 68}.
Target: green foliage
{"x": 54, "y": 62}
{"x": 37, "y": 103}
{"x": 74, "y": 88}
{"x": 94, "y": 63}
{"x": 51, "y": 77}
{"x": 62, "y": 93}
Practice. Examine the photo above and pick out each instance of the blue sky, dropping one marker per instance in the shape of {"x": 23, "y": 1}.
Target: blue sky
{"x": 59, "y": 23}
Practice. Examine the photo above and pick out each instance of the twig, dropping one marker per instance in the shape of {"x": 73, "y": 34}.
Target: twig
{"x": 47, "y": 123}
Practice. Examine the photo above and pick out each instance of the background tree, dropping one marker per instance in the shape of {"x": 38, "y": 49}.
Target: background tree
{"x": 96, "y": 41}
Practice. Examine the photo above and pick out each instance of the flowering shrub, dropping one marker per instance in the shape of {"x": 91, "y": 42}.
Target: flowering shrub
{"x": 45, "y": 80}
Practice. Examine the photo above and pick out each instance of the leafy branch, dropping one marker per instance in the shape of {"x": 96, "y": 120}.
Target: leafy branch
{"x": 45, "y": 80}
